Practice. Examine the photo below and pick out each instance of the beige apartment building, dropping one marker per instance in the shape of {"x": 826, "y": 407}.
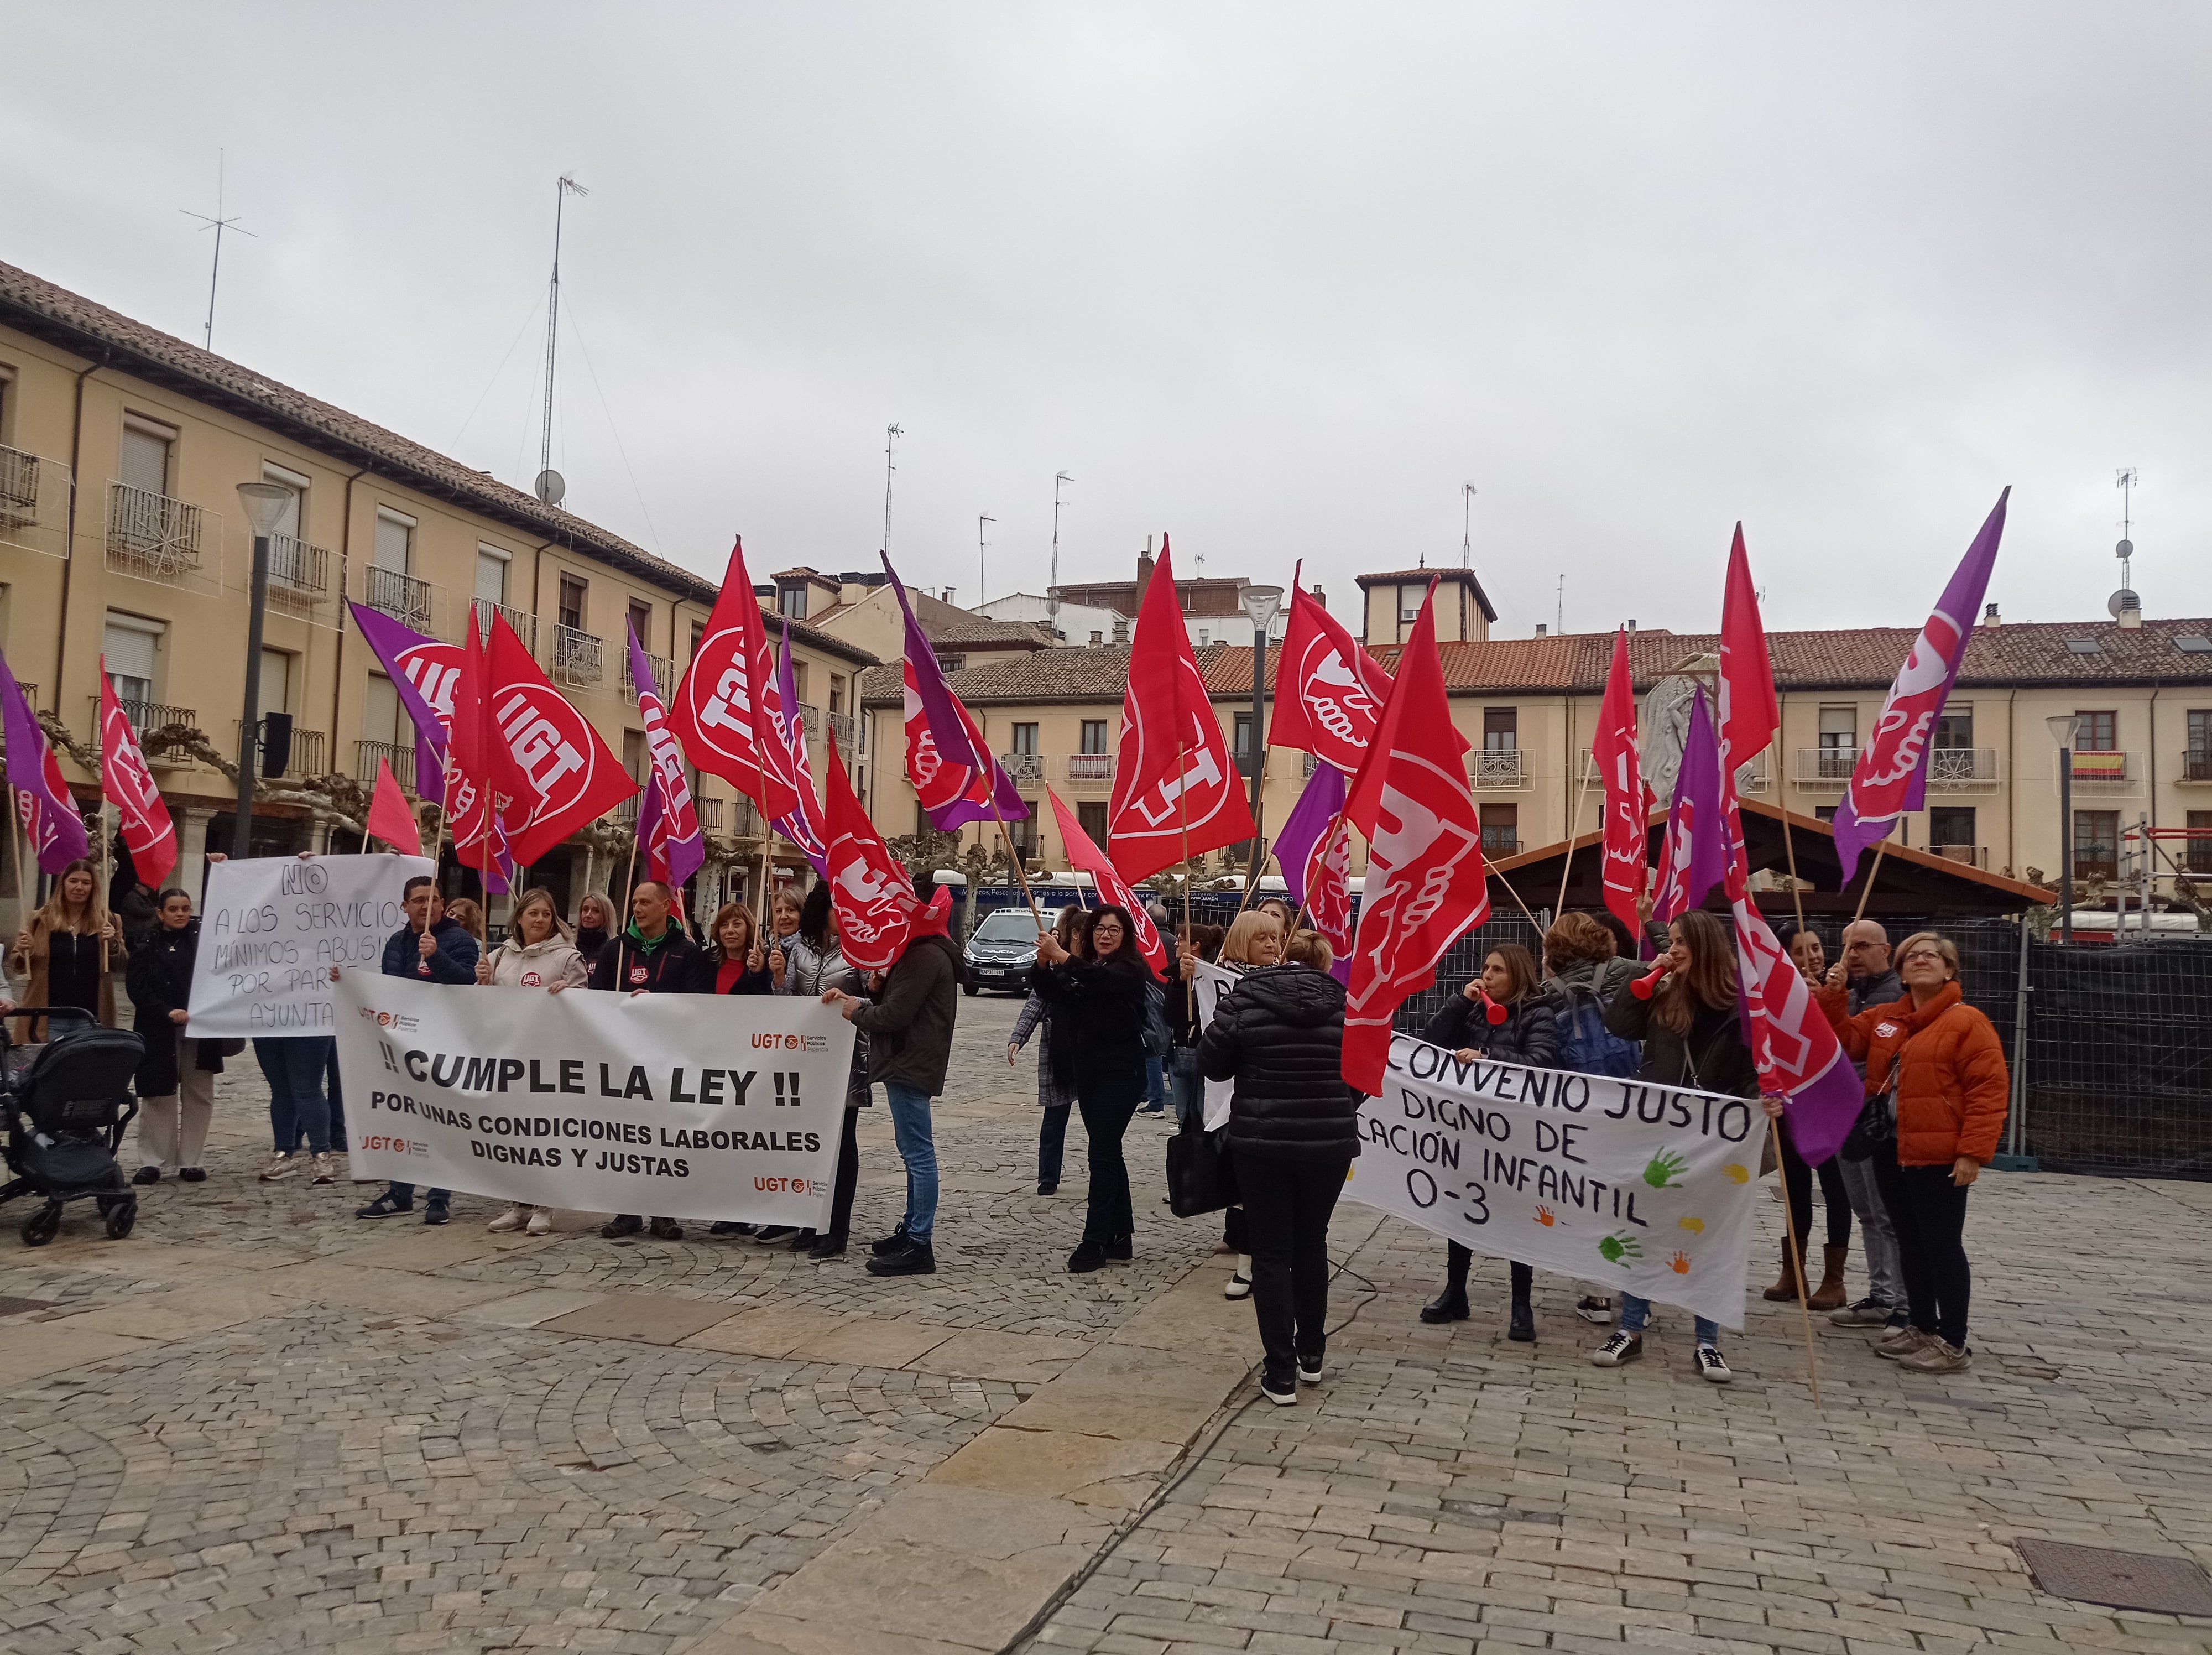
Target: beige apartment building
{"x": 121, "y": 535}
{"x": 1528, "y": 709}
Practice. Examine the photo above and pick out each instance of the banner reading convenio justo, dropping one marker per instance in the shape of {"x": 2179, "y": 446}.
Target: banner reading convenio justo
{"x": 1638, "y": 1188}
{"x": 691, "y": 1106}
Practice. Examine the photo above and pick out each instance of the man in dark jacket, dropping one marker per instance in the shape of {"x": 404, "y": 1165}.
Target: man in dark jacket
{"x": 1293, "y": 1129}
{"x": 652, "y": 957}
{"x": 430, "y": 948}
{"x": 1870, "y": 980}
{"x": 909, "y": 1030}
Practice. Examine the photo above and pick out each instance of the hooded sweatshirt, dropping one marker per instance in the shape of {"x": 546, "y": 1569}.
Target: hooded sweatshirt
{"x": 554, "y": 963}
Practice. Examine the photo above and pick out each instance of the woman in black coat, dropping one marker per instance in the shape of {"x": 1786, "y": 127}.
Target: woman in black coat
{"x": 176, "y": 1081}
{"x": 1099, "y": 1007}
{"x": 1293, "y": 1129}
{"x": 1530, "y": 1033}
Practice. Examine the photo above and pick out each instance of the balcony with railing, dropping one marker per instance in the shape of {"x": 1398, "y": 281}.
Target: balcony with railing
{"x": 840, "y": 730}
{"x": 809, "y": 718}
{"x": 19, "y": 489}
{"x": 1022, "y": 767}
{"x": 151, "y": 535}
{"x": 1091, "y": 766}
{"x": 146, "y": 716}
{"x": 1497, "y": 769}
{"x": 1972, "y": 855}
{"x": 2108, "y": 774}
{"x": 579, "y": 657}
{"x": 523, "y": 626}
{"x": 657, "y": 665}
{"x": 625, "y": 811}
{"x": 710, "y": 814}
{"x": 304, "y": 759}
{"x": 401, "y": 758}
{"x": 1962, "y": 770}
{"x": 299, "y": 574}
{"x": 2196, "y": 765}
{"x": 403, "y": 597}
{"x": 1501, "y": 842}
{"x": 1824, "y": 768}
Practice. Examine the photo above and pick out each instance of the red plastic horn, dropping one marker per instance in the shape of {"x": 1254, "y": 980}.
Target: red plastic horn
{"x": 1644, "y": 986}
{"x": 1491, "y": 1009}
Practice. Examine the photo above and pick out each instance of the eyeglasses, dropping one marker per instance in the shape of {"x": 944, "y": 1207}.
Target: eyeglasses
{"x": 1925, "y": 953}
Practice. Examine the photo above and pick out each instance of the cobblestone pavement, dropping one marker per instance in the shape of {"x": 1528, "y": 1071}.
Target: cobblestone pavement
{"x": 260, "y": 1425}
{"x": 1444, "y": 1489}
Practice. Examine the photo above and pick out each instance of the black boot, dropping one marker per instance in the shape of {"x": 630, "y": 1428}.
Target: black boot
{"x": 1449, "y": 1305}
{"x": 893, "y": 1243}
{"x": 913, "y": 1258}
{"x": 1522, "y": 1329}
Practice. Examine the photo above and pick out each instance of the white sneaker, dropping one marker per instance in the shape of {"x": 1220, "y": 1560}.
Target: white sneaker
{"x": 1594, "y": 1307}
{"x": 510, "y": 1220}
{"x": 324, "y": 1174}
{"x": 541, "y": 1223}
{"x": 1309, "y": 1374}
{"x": 1283, "y": 1398}
{"x": 1620, "y": 1348}
{"x": 1240, "y": 1284}
{"x": 280, "y": 1167}
{"x": 1712, "y": 1365}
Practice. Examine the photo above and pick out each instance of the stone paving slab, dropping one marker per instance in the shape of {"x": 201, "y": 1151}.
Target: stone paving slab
{"x": 649, "y": 1318}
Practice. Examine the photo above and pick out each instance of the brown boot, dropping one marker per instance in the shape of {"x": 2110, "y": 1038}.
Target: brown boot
{"x": 1830, "y": 1293}
{"x": 1785, "y": 1287}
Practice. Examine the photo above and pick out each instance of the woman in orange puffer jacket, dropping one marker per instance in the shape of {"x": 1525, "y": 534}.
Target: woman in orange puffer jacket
{"x": 1951, "y": 1093}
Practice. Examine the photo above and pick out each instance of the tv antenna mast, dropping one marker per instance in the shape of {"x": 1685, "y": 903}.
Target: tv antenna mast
{"x": 1052, "y": 586}
{"x": 2124, "y": 480}
{"x": 552, "y": 487}
{"x": 983, "y": 592}
{"x": 218, "y": 224}
{"x": 1466, "y": 525}
{"x": 892, "y": 433}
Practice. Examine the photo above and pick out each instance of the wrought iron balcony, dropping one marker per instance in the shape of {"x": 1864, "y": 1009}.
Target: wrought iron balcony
{"x": 366, "y": 754}
{"x": 523, "y": 626}
{"x": 2196, "y": 764}
{"x": 579, "y": 657}
{"x": 151, "y": 535}
{"x": 841, "y": 730}
{"x": 626, "y": 811}
{"x": 1825, "y": 767}
{"x": 297, "y": 568}
{"x": 1501, "y": 842}
{"x": 19, "y": 489}
{"x": 403, "y": 597}
{"x": 809, "y": 718}
{"x": 305, "y": 759}
{"x": 1091, "y": 766}
{"x": 1962, "y": 770}
{"x": 657, "y": 665}
{"x": 1499, "y": 768}
{"x": 1022, "y": 767}
{"x": 710, "y": 814}
{"x": 153, "y": 715}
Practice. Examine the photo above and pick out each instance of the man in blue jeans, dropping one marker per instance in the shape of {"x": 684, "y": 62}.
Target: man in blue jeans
{"x": 294, "y": 1066}
{"x": 909, "y": 1022}
{"x": 429, "y": 948}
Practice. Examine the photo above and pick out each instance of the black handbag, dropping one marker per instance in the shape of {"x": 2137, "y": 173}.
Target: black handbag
{"x": 1876, "y": 1126}
{"x": 1198, "y": 1176}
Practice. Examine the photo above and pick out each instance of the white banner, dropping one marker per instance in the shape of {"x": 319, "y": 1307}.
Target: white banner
{"x": 1213, "y": 982}
{"x": 552, "y": 1099}
{"x": 271, "y": 928}
{"x": 1634, "y": 1186}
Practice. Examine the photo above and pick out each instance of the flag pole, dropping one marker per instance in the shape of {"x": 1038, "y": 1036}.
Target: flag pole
{"x": 1510, "y": 891}
{"x": 1797, "y": 1262}
{"x": 1014, "y": 857}
{"x": 1567, "y": 863}
{"x": 1182, "y": 810}
{"x": 1880, "y": 845}
{"x": 1789, "y": 844}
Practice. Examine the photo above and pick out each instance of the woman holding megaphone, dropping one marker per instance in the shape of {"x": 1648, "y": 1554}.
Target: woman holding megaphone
{"x": 1506, "y": 1016}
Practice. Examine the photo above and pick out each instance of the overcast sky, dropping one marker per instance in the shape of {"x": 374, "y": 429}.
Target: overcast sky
{"x": 1276, "y": 279}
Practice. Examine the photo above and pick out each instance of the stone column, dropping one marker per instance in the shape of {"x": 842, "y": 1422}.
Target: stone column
{"x": 192, "y": 850}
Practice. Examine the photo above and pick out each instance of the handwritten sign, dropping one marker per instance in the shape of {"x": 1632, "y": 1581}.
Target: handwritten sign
{"x": 272, "y": 928}
{"x": 1636, "y": 1186}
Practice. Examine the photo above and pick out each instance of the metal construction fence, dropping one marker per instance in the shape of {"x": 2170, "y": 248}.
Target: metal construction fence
{"x": 2112, "y": 1072}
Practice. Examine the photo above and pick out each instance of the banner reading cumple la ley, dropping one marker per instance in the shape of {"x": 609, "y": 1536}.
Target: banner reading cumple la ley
{"x": 1638, "y": 1188}
{"x": 691, "y": 1106}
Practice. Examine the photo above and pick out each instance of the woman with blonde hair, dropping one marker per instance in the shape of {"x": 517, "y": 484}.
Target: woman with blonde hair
{"x": 1254, "y": 942}
{"x": 60, "y": 951}
{"x": 595, "y": 923}
{"x": 537, "y": 954}
{"x": 469, "y": 915}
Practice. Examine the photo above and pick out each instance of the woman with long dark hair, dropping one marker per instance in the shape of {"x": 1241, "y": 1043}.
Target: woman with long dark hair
{"x": 740, "y": 963}
{"x": 71, "y": 950}
{"x": 1104, "y": 999}
{"x": 176, "y": 1079}
{"x": 1056, "y": 1068}
{"x": 1528, "y": 1033}
{"x": 1690, "y": 1039}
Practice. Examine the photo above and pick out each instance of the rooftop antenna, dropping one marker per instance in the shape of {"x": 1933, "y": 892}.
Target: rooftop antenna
{"x": 892, "y": 433}
{"x": 552, "y": 487}
{"x": 1466, "y": 525}
{"x": 2124, "y": 480}
{"x": 1560, "y": 619}
{"x": 1052, "y": 587}
{"x": 981, "y": 543}
{"x": 218, "y": 224}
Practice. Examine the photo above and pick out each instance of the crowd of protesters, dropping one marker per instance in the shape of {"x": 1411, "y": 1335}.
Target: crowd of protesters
{"x": 1114, "y": 1038}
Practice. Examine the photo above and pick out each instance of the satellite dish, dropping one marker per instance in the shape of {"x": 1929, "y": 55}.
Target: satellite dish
{"x": 551, "y": 487}
{"x": 2125, "y": 549}
{"x": 1663, "y": 730}
{"x": 2121, "y": 599}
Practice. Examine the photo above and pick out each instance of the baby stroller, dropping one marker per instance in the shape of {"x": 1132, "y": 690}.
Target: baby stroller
{"x": 64, "y": 1104}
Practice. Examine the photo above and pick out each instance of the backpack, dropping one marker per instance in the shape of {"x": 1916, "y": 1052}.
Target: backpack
{"x": 1586, "y": 1045}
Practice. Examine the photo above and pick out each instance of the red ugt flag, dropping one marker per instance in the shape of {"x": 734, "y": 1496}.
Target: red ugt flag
{"x": 1425, "y": 880}
{"x": 1626, "y": 841}
{"x": 557, "y": 774}
{"x": 873, "y": 898}
{"x": 389, "y": 818}
{"x": 148, "y": 832}
{"x": 1175, "y": 787}
{"x": 470, "y": 781}
{"x": 724, "y": 710}
{"x": 1329, "y": 691}
{"x": 1082, "y": 853}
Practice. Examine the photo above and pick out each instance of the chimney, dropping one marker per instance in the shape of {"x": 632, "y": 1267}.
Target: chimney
{"x": 1319, "y": 599}
{"x": 1632, "y": 625}
{"x": 948, "y": 596}
{"x": 1990, "y": 616}
{"x": 1540, "y": 629}
{"x": 1098, "y": 637}
{"x": 2131, "y": 615}
{"x": 1144, "y": 572}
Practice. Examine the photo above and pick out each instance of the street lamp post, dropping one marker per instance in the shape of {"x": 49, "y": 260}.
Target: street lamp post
{"x": 264, "y": 504}
{"x": 1259, "y": 603}
{"x": 2065, "y": 729}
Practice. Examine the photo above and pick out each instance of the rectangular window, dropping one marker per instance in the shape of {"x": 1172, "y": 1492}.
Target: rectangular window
{"x": 1839, "y": 742}
{"x": 1090, "y": 816}
{"x": 1501, "y": 729}
{"x": 1023, "y": 833}
{"x": 276, "y": 682}
{"x": 636, "y": 759}
{"x": 641, "y": 621}
{"x": 289, "y": 520}
{"x": 145, "y": 458}
{"x": 491, "y": 575}
{"x": 1954, "y": 729}
{"x": 836, "y": 692}
{"x": 395, "y": 544}
{"x": 2096, "y": 844}
{"x": 1205, "y": 637}
{"x": 1950, "y": 827}
{"x": 922, "y": 825}
{"x": 1501, "y": 830}
{"x": 1241, "y": 741}
{"x": 1823, "y": 813}
{"x": 128, "y": 645}
{"x": 1093, "y": 740}
{"x": 1409, "y": 604}
{"x": 381, "y": 720}
{"x": 799, "y": 680}
{"x": 791, "y": 600}
{"x": 572, "y": 603}
{"x": 2099, "y": 733}
{"x": 698, "y": 634}
{"x": 2196, "y": 853}
{"x": 2197, "y": 762}
{"x": 1025, "y": 741}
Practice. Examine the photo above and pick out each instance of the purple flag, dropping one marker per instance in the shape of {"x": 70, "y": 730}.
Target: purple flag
{"x": 1695, "y": 857}
{"x": 953, "y": 787}
{"x": 1891, "y": 777}
{"x": 803, "y": 827}
{"x": 423, "y": 671}
{"x": 43, "y": 803}
{"x": 1317, "y": 807}
{"x": 681, "y": 849}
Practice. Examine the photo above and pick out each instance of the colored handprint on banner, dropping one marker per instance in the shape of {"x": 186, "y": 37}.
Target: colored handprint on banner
{"x": 1666, "y": 1166}
{"x": 1546, "y": 1217}
{"x": 1679, "y": 1263}
{"x": 1694, "y": 1225}
{"x": 1619, "y": 1248}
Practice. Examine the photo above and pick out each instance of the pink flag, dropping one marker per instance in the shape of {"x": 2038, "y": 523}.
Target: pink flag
{"x": 869, "y": 890}
{"x": 1082, "y": 853}
{"x": 148, "y": 832}
{"x": 803, "y": 826}
{"x": 723, "y": 711}
{"x": 389, "y": 818}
